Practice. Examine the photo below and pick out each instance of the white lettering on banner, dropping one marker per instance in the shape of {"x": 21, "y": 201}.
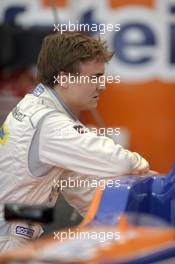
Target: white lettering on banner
{"x": 145, "y": 44}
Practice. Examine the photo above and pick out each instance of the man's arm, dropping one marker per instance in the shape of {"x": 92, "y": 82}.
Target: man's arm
{"x": 63, "y": 146}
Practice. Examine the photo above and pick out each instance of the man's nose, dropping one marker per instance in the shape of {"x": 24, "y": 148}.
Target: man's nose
{"x": 101, "y": 87}
{"x": 101, "y": 83}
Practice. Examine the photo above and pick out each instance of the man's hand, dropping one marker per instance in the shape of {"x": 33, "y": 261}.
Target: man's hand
{"x": 142, "y": 166}
{"x": 142, "y": 172}
{"x": 152, "y": 172}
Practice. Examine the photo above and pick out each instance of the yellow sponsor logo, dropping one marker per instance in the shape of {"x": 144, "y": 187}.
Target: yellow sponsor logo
{"x": 3, "y": 134}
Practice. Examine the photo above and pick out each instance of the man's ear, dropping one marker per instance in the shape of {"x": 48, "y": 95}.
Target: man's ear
{"x": 63, "y": 79}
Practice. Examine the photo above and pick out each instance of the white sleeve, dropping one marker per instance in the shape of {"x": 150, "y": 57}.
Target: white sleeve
{"x": 63, "y": 146}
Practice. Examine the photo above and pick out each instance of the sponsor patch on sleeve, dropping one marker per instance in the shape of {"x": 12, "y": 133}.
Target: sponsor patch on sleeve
{"x": 24, "y": 231}
{"x": 3, "y": 134}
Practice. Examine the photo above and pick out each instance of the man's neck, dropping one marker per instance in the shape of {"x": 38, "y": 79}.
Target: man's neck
{"x": 66, "y": 103}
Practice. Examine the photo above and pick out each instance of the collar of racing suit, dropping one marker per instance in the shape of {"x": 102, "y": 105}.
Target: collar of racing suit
{"x": 52, "y": 99}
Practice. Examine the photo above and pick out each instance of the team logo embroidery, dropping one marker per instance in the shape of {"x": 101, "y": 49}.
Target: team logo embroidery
{"x": 3, "y": 134}
{"x": 24, "y": 231}
{"x": 17, "y": 114}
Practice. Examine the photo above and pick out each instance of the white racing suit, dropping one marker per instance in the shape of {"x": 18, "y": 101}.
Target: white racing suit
{"x": 41, "y": 145}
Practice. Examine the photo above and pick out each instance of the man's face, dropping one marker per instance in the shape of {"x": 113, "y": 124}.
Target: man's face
{"x": 84, "y": 92}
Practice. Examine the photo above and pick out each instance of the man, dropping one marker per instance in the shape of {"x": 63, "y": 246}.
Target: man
{"x": 44, "y": 143}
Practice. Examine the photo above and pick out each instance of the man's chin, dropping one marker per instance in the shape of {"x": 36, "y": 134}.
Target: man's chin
{"x": 92, "y": 107}
{"x": 89, "y": 107}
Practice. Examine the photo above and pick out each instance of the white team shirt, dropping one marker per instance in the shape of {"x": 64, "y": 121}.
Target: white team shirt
{"x": 41, "y": 144}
